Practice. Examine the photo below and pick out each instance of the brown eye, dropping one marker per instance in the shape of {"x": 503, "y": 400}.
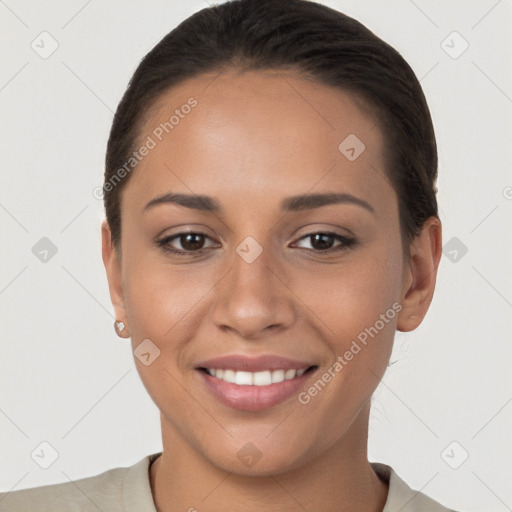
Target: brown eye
{"x": 322, "y": 241}
{"x": 325, "y": 242}
{"x": 185, "y": 244}
{"x": 191, "y": 241}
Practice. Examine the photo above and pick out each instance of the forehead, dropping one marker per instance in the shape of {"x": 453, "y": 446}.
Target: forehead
{"x": 244, "y": 134}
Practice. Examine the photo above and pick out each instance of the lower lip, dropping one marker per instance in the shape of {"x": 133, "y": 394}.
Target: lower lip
{"x": 253, "y": 398}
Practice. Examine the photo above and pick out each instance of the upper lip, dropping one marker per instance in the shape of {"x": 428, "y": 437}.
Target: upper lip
{"x": 254, "y": 364}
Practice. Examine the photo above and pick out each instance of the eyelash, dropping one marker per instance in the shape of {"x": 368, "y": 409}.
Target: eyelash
{"x": 347, "y": 243}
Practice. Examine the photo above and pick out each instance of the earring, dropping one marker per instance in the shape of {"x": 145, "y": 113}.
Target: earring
{"x": 120, "y": 329}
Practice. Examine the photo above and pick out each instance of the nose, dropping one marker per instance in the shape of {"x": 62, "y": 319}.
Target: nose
{"x": 254, "y": 299}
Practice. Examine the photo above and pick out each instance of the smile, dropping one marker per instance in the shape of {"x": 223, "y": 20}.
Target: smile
{"x": 263, "y": 378}
{"x": 253, "y": 390}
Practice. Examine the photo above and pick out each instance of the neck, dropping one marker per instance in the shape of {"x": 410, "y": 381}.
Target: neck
{"x": 341, "y": 480}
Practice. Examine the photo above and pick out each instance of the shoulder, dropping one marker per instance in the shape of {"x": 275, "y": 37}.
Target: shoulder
{"x": 85, "y": 494}
{"x": 104, "y": 491}
{"x": 403, "y": 498}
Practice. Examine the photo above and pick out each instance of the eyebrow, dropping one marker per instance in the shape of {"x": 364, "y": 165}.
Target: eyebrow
{"x": 290, "y": 204}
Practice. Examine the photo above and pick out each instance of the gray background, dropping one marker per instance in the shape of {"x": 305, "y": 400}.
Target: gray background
{"x": 65, "y": 377}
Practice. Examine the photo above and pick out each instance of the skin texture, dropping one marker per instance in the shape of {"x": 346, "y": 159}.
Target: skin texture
{"x": 253, "y": 139}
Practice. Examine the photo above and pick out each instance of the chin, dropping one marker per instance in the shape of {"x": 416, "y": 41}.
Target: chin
{"x": 266, "y": 466}
{"x": 262, "y": 459}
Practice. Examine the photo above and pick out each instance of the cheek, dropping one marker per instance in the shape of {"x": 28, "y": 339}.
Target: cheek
{"x": 158, "y": 294}
{"x": 359, "y": 315}
{"x": 161, "y": 305}
{"x": 352, "y": 296}
{"x": 358, "y": 310}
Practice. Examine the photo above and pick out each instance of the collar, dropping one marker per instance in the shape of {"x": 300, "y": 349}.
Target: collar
{"x": 137, "y": 490}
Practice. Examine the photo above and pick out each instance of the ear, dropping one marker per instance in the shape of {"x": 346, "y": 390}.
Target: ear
{"x": 420, "y": 274}
{"x": 113, "y": 268}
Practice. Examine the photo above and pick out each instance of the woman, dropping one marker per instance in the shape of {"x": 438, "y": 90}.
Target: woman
{"x": 271, "y": 221}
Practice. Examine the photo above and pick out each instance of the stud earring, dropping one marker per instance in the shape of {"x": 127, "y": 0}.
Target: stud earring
{"x": 120, "y": 329}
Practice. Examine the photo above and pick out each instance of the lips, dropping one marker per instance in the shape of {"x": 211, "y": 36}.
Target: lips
{"x": 253, "y": 383}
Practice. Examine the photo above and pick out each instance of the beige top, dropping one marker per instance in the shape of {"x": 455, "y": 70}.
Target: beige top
{"x": 128, "y": 489}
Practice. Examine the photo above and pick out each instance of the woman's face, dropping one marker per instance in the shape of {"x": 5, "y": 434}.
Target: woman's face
{"x": 268, "y": 282}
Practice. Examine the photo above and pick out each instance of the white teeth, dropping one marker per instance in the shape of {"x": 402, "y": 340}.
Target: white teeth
{"x": 243, "y": 378}
{"x": 277, "y": 376}
{"x": 263, "y": 378}
{"x": 229, "y": 376}
{"x": 289, "y": 374}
